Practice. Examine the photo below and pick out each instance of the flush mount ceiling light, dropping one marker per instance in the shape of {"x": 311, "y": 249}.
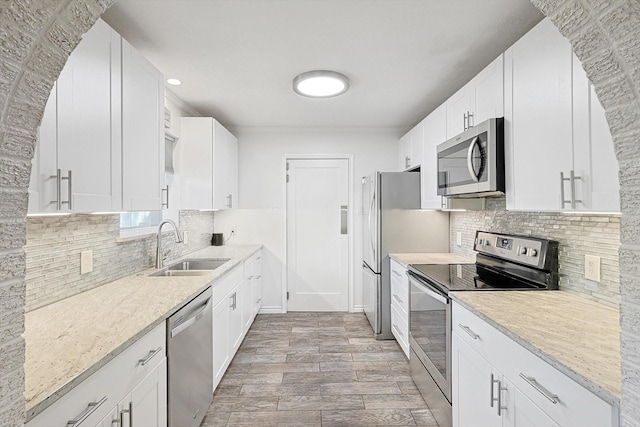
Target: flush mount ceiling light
{"x": 174, "y": 82}
{"x": 320, "y": 84}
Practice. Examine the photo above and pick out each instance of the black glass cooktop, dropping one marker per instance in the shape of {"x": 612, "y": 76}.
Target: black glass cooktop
{"x": 468, "y": 277}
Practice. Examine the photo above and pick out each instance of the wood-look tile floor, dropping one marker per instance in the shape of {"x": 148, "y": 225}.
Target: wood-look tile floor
{"x": 317, "y": 369}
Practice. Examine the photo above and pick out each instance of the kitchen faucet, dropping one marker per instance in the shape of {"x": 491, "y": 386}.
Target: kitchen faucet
{"x": 176, "y": 232}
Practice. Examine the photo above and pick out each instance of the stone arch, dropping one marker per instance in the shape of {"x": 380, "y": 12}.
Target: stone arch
{"x": 36, "y": 38}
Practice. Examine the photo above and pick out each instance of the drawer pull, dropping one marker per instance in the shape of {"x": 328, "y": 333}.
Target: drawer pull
{"x": 397, "y": 298}
{"x": 149, "y": 356}
{"x": 129, "y": 412}
{"x": 90, "y": 409}
{"x": 553, "y": 398}
{"x": 469, "y": 331}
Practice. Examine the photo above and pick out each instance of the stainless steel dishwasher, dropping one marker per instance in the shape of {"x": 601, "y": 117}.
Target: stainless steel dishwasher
{"x": 190, "y": 355}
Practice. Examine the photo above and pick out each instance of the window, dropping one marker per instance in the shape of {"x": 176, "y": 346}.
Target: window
{"x": 139, "y": 223}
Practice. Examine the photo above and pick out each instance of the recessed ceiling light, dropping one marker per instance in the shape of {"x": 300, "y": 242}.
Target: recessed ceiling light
{"x": 320, "y": 84}
{"x": 174, "y": 82}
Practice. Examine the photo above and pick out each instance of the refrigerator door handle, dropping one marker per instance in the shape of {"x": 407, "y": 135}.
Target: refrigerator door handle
{"x": 373, "y": 250}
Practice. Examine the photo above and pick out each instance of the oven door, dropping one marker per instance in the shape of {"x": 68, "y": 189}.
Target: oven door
{"x": 430, "y": 330}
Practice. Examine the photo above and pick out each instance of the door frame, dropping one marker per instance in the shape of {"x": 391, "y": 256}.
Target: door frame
{"x": 350, "y": 222}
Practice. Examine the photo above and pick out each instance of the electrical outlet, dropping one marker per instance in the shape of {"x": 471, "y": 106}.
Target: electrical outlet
{"x": 459, "y": 238}
{"x": 86, "y": 262}
{"x": 185, "y": 237}
{"x": 592, "y": 267}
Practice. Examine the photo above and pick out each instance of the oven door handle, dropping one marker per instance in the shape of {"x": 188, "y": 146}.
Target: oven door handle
{"x": 431, "y": 293}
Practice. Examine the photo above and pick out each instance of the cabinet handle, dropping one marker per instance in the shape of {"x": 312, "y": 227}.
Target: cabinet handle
{"x": 90, "y": 409}
{"x": 129, "y": 412}
{"x": 498, "y": 399}
{"x": 229, "y": 201}
{"x": 572, "y": 185}
{"x": 166, "y": 189}
{"x": 59, "y": 202}
{"x": 469, "y": 117}
{"x": 69, "y": 189}
{"x": 464, "y": 121}
{"x": 469, "y": 331}
{"x": 231, "y": 298}
{"x": 553, "y": 398}
{"x": 149, "y": 356}
{"x": 407, "y": 162}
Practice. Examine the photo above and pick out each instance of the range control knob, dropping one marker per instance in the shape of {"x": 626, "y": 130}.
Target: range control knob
{"x": 522, "y": 250}
{"x": 486, "y": 242}
{"x": 533, "y": 252}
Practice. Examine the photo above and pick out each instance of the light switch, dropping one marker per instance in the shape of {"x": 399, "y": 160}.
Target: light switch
{"x": 459, "y": 238}
{"x": 86, "y": 262}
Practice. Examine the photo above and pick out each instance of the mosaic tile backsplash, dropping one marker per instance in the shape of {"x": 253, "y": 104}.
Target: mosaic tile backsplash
{"x": 54, "y": 244}
{"x": 577, "y": 234}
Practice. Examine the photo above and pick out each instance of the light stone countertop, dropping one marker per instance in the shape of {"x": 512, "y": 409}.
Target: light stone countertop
{"x": 579, "y": 337}
{"x": 71, "y": 339}
{"x": 431, "y": 258}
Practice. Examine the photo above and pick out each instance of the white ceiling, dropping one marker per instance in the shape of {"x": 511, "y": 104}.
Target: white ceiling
{"x": 237, "y": 58}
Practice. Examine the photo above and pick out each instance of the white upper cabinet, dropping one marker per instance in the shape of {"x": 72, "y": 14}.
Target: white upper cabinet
{"x": 78, "y": 135}
{"x": 208, "y": 165}
{"x": 598, "y": 188}
{"x": 558, "y": 150}
{"x": 101, "y": 133}
{"x": 479, "y": 100}
{"x": 142, "y": 132}
{"x": 411, "y": 150}
{"x": 435, "y": 132}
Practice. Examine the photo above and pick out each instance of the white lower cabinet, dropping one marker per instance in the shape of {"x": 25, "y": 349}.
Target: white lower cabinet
{"x": 234, "y": 309}
{"x": 125, "y": 388}
{"x": 400, "y": 305}
{"x": 521, "y": 389}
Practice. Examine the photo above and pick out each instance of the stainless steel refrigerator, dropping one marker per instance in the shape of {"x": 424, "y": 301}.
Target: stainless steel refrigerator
{"x": 394, "y": 223}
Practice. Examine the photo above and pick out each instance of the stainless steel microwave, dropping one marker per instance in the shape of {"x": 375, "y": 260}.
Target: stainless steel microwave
{"x": 472, "y": 163}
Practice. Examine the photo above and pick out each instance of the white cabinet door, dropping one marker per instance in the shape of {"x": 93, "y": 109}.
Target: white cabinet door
{"x": 525, "y": 413}
{"x": 196, "y": 162}
{"x": 471, "y": 387}
{"x": 221, "y": 338}
{"x": 479, "y": 100}
{"x": 435, "y": 133}
{"x": 538, "y": 118}
{"x": 404, "y": 153}
{"x": 598, "y": 188}
{"x": 458, "y": 107}
{"x": 149, "y": 399}
{"x": 88, "y": 139}
{"x": 142, "y": 132}
{"x": 236, "y": 323}
{"x": 488, "y": 93}
{"x": 42, "y": 185}
{"x": 208, "y": 165}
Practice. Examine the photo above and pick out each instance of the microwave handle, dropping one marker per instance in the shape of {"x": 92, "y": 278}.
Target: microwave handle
{"x": 472, "y": 171}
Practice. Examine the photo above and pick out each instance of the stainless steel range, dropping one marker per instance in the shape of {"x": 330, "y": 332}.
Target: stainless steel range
{"x": 503, "y": 262}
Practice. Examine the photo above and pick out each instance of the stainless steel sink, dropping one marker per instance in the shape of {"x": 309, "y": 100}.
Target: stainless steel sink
{"x": 191, "y": 267}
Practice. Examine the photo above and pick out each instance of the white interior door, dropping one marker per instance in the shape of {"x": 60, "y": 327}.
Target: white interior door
{"x": 317, "y": 235}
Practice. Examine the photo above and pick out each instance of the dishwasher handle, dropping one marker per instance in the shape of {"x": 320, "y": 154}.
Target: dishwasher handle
{"x": 190, "y": 321}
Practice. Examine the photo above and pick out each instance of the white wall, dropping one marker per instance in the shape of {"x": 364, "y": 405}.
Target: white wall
{"x": 260, "y": 218}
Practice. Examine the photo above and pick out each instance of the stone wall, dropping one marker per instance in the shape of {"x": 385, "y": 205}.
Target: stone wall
{"x": 54, "y": 244}
{"x": 36, "y": 37}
